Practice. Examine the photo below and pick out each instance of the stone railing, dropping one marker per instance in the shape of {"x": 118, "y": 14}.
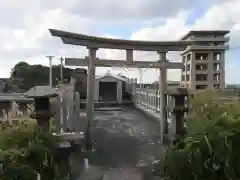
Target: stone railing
{"x": 148, "y": 98}
{"x": 174, "y": 110}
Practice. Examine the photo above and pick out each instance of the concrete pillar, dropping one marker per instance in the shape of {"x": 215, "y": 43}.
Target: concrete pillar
{"x": 91, "y": 84}
{"x": 192, "y": 76}
{"x": 77, "y": 120}
{"x": 134, "y": 84}
{"x": 210, "y": 70}
{"x": 129, "y": 54}
{"x": 163, "y": 90}
{"x": 96, "y": 91}
{"x": 147, "y": 99}
{"x": 140, "y": 84}
{"x": 222, "y": 70}
{"x": 58, "y": 120}
{"x": 90, "y": 96}
{"x": 119, "y": 91}
{"x": 14, "y": 108}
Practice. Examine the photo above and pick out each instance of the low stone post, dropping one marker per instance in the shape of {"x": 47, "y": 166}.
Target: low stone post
{"x": 178, "y": 111}
{"x": 77, "y": 122}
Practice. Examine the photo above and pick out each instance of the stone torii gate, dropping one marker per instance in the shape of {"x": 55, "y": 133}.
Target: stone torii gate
{"x": 94, "y": 43}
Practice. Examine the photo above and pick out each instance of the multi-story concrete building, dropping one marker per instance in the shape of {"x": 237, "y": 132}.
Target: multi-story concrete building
{"x": 204, "y": 62}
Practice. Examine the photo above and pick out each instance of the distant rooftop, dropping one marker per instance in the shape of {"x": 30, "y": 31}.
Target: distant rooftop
{"x": 205, "y": 32}
{"x": 119, "y": 77}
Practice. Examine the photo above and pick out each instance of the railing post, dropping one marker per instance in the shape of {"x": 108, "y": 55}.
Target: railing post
{"x": 134, "y": 94}
{"x": 147, "y": 105}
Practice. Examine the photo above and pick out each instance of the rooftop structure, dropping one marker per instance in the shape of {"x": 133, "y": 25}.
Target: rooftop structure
{"x": 204, "y": 60}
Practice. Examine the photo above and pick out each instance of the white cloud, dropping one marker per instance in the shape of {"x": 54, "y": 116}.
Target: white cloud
{"x": 224, "y": 15}
{"x": 24, "y": 32}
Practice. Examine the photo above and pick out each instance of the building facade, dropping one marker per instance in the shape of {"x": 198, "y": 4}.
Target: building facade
{"x": 204, "y": 62}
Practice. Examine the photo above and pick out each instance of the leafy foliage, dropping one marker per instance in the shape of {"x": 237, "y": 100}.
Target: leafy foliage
{"x": 26, "y": 153}
{"x": 25, "y": 76}
{"x": 210, "y": 148}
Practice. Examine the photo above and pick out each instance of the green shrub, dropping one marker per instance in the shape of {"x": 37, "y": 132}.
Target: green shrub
{"x": 210, "y": 148}
{"x": 25, "y": 152}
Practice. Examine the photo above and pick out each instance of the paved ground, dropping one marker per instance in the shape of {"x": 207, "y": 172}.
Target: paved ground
{"x": 126, "y": 138}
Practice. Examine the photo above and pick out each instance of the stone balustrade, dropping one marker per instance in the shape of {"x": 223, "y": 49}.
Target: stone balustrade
{"x": 148, "y": 98}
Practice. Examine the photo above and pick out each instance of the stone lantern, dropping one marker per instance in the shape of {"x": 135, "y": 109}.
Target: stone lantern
{"x": 42, "y": 112}
{"x": 70, "y": 143}
{"x": 178, "y": 109}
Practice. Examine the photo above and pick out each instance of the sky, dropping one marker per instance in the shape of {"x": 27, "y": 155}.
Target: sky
{"x": 24, "y": 34}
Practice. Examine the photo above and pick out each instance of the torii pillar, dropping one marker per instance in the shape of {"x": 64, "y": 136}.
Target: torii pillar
{"x": 90, "y": 95}
{"x": 163, "y": 96}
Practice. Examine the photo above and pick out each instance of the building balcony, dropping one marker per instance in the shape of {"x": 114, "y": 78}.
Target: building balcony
{"x": 216, "y": 71}
{"x": 211, "y": 39}
{"x": 216, "y": 81}
{"x": 202, "y": 47}
{"x": 201, "y": 82}
{"x": 201, "y": 71}
{"x": 205, "y": 48}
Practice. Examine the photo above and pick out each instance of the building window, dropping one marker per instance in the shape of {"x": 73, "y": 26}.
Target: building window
{"x": 183, "y": 69}
{"x": 216, "y": 77}
{"x": 201, "y": 67}
{"x": 188, "y": 67}
{"x": 188, "y": 57}
{"x": 218, "y": 44}
{"x": 216, "y": 56}
{"x": 216, "y": 67}
{"x": 201, "y": 77}
{"x": 187, "y": 77}
{"x": 183, "y": 78}
{"x": 216, "y": 86}
{"x": 201, "y": 56}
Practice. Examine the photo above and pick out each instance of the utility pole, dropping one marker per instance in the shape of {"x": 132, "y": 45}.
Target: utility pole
{"x": 61, "y": 69}
{"x": 50, "y": 70}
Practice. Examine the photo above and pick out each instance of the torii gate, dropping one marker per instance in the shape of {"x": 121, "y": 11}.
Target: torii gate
{"x": 94, "y": 43}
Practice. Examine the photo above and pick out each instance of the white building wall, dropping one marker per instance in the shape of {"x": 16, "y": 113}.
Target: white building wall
{"x": 109, "y": 79}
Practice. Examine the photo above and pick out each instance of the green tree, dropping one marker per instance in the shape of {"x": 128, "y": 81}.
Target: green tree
{"x": 25, "y": 76}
